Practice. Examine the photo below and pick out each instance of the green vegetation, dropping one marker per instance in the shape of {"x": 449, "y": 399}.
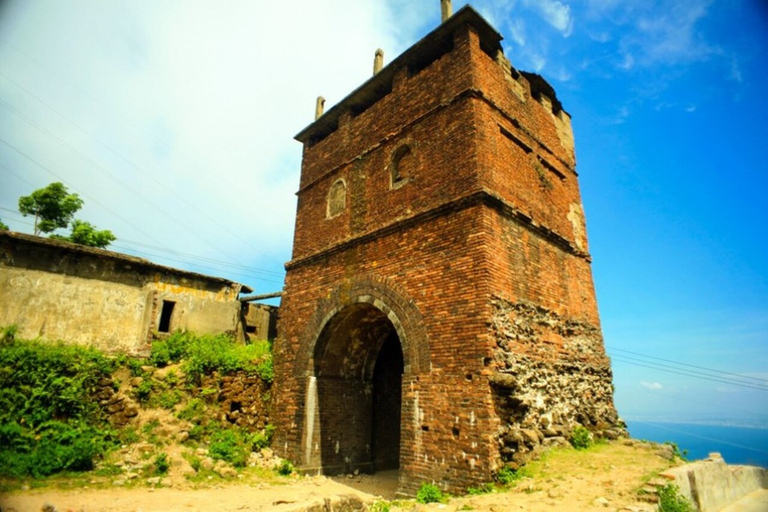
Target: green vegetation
{"x": 581, "y": 438}
{"x": 162, "y": 464}
{"x": 285, "y": 468}
{"x": 51, "y": 420}
{"x": 508, "y": 476}
{"x": 682, "y": 455}
{"x": 54, "y": 207}
{"x": 671, "y": 501}
{"x": 486, "y": 488}
{"x": 203, "y": 355}
{"x": 48, "y": 420}
{"x": 85, "y": 233}
{"x": 230, "y": 445}
{"x": 380, "y": 506}
{"x": 430, "y": 493}
{"x": 3, "y": 226}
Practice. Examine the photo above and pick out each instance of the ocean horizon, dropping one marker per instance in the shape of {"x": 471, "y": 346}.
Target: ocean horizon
{"x": 737, "y": 444}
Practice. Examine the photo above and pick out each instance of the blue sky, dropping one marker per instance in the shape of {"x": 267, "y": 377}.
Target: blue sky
{"x": 174, "y": 121}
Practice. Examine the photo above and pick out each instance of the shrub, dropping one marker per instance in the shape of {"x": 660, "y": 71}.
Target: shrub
{"x": 262, "y": 439}
{"x": 9, "y": 333}
{"x": 49, "y": 420}
{"x": 144, "y": 390}
{"x": 169, "y": 399}
{"x": 194, "y": 411}
{"x": 671, "y": 501}
{"x": 506, "y": 475}
{"x": 172, "y": 349}
{"x": 162, "y": 464}
{"x": 230, "y": 446}
{"x": 134, "y": 365}
{"x": 581, "y": 438}
{"x": 429, "y": 493}
{"x": 682, "y": 455}
{"x": 206, "y": 354}
{"x": 285, "y": 468}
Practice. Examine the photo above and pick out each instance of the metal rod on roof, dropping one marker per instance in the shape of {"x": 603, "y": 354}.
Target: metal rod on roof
{"x": 251, "y": 298}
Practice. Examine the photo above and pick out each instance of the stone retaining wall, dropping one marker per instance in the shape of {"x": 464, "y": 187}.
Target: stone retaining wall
{"x": 711, "y": 484}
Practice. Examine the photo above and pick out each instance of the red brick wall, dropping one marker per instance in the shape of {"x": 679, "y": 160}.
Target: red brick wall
{"x": 482, "y": 238}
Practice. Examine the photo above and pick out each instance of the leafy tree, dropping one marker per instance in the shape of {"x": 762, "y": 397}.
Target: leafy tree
{"x": 85, "y": 233}
{"x": 52, "y": 206}
{"x": 3, "y": 226}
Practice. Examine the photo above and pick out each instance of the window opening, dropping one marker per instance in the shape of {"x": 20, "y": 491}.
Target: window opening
{"x": 337, "y": 198}
{"x": 402, "y": 166}
{"x": 165, "y": 316}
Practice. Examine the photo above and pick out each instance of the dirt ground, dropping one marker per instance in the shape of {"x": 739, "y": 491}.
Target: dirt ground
{"x": 606, "y": 477}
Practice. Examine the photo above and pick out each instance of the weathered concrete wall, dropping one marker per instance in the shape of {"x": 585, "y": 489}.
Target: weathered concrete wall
{"x": 259, "y": 321}
{"x": 710, "y": 485}
{"x": 60, "y": 291}
{"x": 110, "y": 316}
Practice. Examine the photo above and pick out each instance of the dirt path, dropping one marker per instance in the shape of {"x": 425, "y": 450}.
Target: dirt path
{"x": 603, "y": 478}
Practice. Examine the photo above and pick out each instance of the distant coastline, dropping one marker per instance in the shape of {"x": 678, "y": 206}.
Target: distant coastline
{"x": 738, "y": 444}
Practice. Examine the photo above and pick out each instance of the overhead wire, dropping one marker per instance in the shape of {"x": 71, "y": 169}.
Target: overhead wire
{"x": 682, "y": 372}
{"x": 90, "y": 198}
{"x": 117, "y": 180}
{"x": 712, "y": 370}
{"x": 126, "y": 160}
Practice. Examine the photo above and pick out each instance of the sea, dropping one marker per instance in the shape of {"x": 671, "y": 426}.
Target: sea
{"x": 737, "y": 445}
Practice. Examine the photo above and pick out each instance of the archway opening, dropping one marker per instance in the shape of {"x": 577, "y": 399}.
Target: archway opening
{"x": 358, "y": 367}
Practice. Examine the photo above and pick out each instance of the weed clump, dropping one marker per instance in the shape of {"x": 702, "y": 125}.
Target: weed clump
{"x": 581, "y": 438}
{"x": 671, "y": 501}
{"x": 430, "y": 493}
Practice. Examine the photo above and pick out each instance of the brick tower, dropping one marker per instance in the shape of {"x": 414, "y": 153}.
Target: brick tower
{"x": 439, "y": 315}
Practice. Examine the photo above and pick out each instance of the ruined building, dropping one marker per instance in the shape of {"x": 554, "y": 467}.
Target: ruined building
{"x": 439, "y": 314}
{"x": 57, "y": 290}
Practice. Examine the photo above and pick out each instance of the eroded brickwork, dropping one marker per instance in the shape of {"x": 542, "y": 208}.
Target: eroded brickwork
{"x": 461, "y": 241}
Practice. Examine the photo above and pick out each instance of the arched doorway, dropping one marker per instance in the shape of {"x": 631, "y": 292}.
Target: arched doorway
{"x": 358, "y": 368}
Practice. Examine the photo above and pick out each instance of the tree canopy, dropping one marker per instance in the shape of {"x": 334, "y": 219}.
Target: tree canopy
{"x": 3, "y": 226}
{"x": 85, "y": 233}
{"x": 53, "y": 207}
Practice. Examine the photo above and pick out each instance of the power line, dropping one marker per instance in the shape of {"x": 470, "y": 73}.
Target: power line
{"x": 111, "y": 175}
{"x": 126, "y": 160}
{"x": 690, "y": 372}
{"x": 667, "y": 369}
{"x": 49, "y": 171}
{"x": 203, "y": 258}
{"x": 214, "y": 269}
{"x": 712, "y": 370}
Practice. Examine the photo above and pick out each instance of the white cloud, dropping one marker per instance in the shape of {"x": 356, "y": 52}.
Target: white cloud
{"x": 175, "y": 120}
{"x": 651, "y": 385}
{"x": 517, "y": 31}
{"x": 668, "y": 33}
{"x": 557, "y": 14}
